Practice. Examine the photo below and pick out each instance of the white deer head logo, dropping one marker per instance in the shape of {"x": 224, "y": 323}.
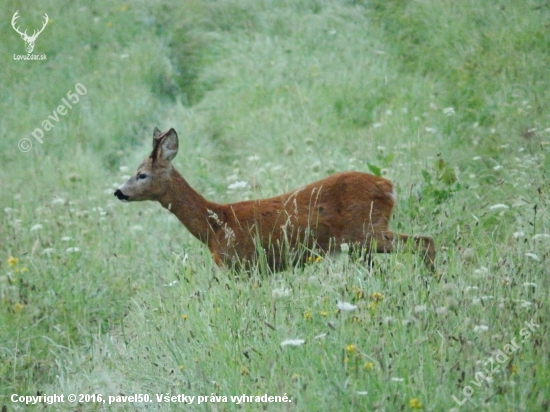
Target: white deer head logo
{"x": 29, "y": 40}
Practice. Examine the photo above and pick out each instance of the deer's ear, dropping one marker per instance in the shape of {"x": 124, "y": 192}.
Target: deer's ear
{"x": 169, "y": 145}
{"x": 156, "y": 135}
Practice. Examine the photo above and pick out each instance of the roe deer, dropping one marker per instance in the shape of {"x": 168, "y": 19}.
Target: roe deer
{"x": 350, "y": 207}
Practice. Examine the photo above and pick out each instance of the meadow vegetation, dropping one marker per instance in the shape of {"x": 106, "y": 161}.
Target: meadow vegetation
{"x": 448, "y": 100}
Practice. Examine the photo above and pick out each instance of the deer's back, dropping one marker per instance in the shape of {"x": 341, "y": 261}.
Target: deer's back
{"x": 344, "y": 207}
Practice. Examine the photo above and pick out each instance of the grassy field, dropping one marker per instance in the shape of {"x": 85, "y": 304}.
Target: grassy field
{"x": 449, "y": 100}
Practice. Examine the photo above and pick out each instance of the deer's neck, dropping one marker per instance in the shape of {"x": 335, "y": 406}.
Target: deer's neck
{"x": 189, "y": 207}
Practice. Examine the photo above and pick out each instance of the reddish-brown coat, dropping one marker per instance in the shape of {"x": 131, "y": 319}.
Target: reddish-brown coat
{"x": 350, "y": 207}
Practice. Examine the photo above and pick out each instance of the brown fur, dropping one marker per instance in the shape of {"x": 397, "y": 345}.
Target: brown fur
{"x": 350, "y": 207}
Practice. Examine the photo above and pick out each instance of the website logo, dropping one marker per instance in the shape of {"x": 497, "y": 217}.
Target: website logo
{"x": 29, "y": 40}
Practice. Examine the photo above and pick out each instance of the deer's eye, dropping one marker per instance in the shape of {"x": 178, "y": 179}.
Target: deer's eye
{"x": 142, "y": 176}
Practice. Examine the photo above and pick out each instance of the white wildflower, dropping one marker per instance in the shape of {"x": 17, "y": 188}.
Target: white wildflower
{"x": 481, "y": 271}
{"x": 72, "y": 250}
{"x": 253, "y": 158}
{"x": 430, "y": 129}
{"x": 419, "y": 308}
{"x": 346, "y": 306}
{"x": 533, "y": 256}
{"x": 58, "y": 201}
{"x": 344, "y": 247}
{"x": 66, "y": 238}
{"x": 123, "y": 168}
{"x": 498, "y": 206}
{"x": 519, "y": 233}
{"x": 397, "y": 379}
{"x": 293, "y": 342}
{"x": 36, "y": 227}
{"x": 48, "y": 251}
{"x": 525, "y": 304}
{"x": 169, "y": 285}
{"x": 481, "y": 328}
{"x": 442, "y": 310}
{"x": 449, "y": 111}
{"x": 362, "y": 393}
{"x": 280, "y": 293}
{"x": 137, "y": 228}
{"x": 238, "y": 185}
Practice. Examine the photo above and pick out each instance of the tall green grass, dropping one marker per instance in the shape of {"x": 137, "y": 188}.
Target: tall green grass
{"x": 446, "y": 100}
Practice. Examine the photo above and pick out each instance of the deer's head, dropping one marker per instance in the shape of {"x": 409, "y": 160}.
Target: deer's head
{"x": 29, "y": 40}
{"x": 152, "y": 178}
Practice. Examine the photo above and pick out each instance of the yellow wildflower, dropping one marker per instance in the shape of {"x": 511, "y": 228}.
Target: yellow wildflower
{"x": 307, "y": 315}
{"x": 372, "y": 306}
{"x": 12, "y": 261}
{"x": 18, "y": 307}
{"x": 359, "y": 293}
{"x": 414, "y": 403}
{"x": 368, "y": 366}
{"x": 184, "y": 317}
{"x": 377, "y": 296}
{"x": 351, "y": 348}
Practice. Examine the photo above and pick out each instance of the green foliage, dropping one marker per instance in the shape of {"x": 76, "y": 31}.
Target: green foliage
{"x": 445, "y": 100}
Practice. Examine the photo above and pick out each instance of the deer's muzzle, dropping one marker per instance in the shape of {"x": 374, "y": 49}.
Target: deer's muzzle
{"x": 121, "y": 196}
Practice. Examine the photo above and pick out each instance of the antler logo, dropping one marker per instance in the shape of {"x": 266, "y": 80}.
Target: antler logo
{"x": 29, "y": 40}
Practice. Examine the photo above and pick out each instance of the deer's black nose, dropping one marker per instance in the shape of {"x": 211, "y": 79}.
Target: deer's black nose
{"x": 120, "y": 195}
